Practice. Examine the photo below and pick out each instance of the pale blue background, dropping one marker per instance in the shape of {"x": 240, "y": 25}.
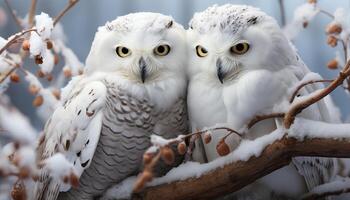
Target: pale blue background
{"x": 82, "y": 21}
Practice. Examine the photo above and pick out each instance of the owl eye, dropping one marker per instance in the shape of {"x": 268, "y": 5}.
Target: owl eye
{"x": 201, "y": 51}
{"x": 240, "y": 48}
{"x": 162, "y": 50}
{"x": 123, "y": 51}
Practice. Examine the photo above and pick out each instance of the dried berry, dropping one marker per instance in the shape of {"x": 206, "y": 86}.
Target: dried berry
{"x": 33, "y": 89}
{"x": 38, "y": 60}
{"x": 332, "y": 41}
{"x": 19, "y": 191}
{"x": 222, "y": 148}
{"x": 38, "y": 101}
{"x": 49, "y": 45}
{"x": 167, "y": 155}
{"x": 67, "y": 72}
{"x": 332, "y": 64}
{"x": 334, "y": 29}
{"x": 147, "y": 158}
{"x": 207, "y": 138}
{"x": 14, "y": 77}
{"x": 181, "y": 148}
{"x": 26, "y": 45}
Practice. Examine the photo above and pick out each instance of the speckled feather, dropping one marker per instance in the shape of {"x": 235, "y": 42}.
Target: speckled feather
{"x": 127, "y": 125}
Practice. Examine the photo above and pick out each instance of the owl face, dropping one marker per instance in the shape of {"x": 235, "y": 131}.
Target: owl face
{"x": 227, "y": 41}
{"x": 140, "y": 47}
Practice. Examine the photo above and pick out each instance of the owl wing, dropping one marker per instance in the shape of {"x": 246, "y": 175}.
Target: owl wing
{"x": 73, "y": 130}
{"x": 315, "y": 170}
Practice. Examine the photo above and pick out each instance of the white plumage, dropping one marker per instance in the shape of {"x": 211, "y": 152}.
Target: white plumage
{"x": 133, "y": 86}
{"x": 241, "y": 65}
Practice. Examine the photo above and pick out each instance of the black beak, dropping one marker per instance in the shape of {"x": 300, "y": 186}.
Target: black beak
{"x": 143, "y": 70}
{"x": 220, "y": 73}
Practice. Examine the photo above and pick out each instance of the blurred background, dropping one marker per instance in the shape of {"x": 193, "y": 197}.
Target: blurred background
{"x": 80, "y": 25}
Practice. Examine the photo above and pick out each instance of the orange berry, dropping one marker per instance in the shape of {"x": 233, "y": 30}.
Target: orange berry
{"x": 56, "y": 93}
{"x": 334, "y": 29}
{"x": 14, "y": 77}
{"x": 332, "y": 64}
{"x": 49, "y": 77}
{"x": 167, "y": 155}
{"x": 207, "y": 138}
{"x": 74, "y": 180}
{"x": 33, "y": 89}
{"x": 147, "y": 158}
{"x": 56, "y": 59}
{"x": 67, "y": 72}
{"x": 181, "y": 148}
{"x": 19, "y": 191}
{"x": 222, "y": 148}
{"x": 332, "y": 41}
{"x": 312, "y": 1}
{"x": 38, "y": 101}
{"x": 26, "y": 45}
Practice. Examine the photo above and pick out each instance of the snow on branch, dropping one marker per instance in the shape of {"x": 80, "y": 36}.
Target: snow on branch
{"x": 251, "y": 161}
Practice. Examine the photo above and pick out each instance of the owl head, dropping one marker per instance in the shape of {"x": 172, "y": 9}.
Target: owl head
{"x": 227, "y": 41}
{"x": 140, "y": 47}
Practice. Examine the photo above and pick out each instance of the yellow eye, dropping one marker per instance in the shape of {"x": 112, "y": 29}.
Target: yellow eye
{"x": 240, "y": 48}
{"x": 201, "y": 51}
{"x": 123, "y": 51}
{"x": 162, "y": 50}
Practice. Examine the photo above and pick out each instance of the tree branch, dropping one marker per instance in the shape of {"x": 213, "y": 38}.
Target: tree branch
{"x": 69, "y": 6}
{"x": 31, "y": 13}
{"x": 295, "y": 93}
{"x": 13, "y": 14}
{"x": 235, "y": 176}
{"x": 300, "y": 106}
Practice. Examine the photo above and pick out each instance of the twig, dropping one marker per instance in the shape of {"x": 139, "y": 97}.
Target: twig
{"x": 327, "y": 13}
{"x": 305, "y": 84}
{"x": 282, "y": 11}
{"x": 31, "y": 13}
{"x": 259, "y": 118}
{"x": 14, "y": 39}
{"x": 13, "y": 14}
{"x": 3, "y": 78}
{"x": 300, "y": 106}
{"x": 190, "y": 148}
{"x": 69, "y": 6}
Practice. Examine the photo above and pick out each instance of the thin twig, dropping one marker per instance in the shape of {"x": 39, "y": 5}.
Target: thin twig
{"x": 14, "y": 39}
{"x": 282, "y": 11}
{"x": 259, "y": 118}
{"x": 300, "y": 106}
{"x": 13, "y": 14}
{"x": 3, "y": 78}
{"x": 190, "y": 148}
{"x": 327, "y": 13}
{"x": 69, "y": 6}
{"x": 305, "y": 84}
{"x": 31, "y": 13}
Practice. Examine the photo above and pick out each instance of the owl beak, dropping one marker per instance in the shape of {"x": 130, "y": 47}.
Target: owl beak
{"x": 220, "y": 73}
{"x": 143, "y": 70}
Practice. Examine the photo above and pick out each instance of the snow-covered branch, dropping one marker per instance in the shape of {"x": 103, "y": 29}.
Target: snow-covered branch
{"x": 251, "y": 161}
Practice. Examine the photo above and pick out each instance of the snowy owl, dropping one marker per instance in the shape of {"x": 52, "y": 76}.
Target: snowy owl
{"x": 241, "y": 65}
{"x": 134, "y": 85}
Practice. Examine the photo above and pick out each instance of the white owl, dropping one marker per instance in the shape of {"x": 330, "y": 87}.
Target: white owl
{"x": 134, "y": 85}
{"x": 241, "y": 65}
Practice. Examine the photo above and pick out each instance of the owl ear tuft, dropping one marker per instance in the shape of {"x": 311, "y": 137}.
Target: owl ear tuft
{"x": 170, "y": 24}
{"x": 252, "y": 20}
